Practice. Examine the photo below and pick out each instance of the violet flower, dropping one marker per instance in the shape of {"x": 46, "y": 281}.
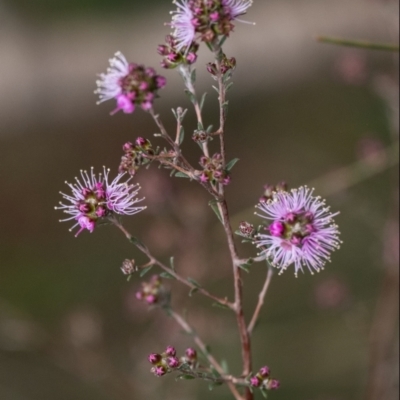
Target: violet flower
{"x": 302, "y": 231}
{"x": 94, "y": 198}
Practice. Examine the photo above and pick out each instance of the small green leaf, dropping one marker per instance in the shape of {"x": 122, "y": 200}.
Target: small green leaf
{"x": 174, "y": 112}
{"x": 213, "y": 205}
{"x": 209, "y": 129}
{"x": 181, "y": 135}
{"x": 222, "y": 41}
{"x": 193, "y": 76}
{"x": 224, "y": 365}
{"x": 166, "y": 275}
{"x": 203, "y": 99}
{"x": 244, "y": 267}
{"x": 193, "y": 291}
{"x": 194, "y": 283}
{"x": 144, "y": 271}
{"x": 264, "y": 393}
{"x": 219, "y": 305}
{"x": 215, "y": 88}
{"x": 192, "y": 98}
{"x": 136, "y": 241}
{"x": 228, "y": 86}
{"x": 185, "y": 377}
{"x": 200, "y": 126}
{"x": 231, "y": 164}
{"x": 180, "y": 174}
{"x": 128, "y": 278}
{"x": 172, "y": 263}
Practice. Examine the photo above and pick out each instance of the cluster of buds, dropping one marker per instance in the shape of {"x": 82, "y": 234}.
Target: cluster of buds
{"x": 227, "y": 64}
{"x": 140, "y": 87}
{"x": 167, "y": 361}
{"x": 136, "y": 155}
{"x": 269, "y": 191}
{"x": 152, "y": 292}
{"x": 200, "y": 136}
{"x": 128, "y": 267}
{"x": 246, "y": 229}
{"x": 263, "y": 380}
{"x": 172, "y": 57}
{"x": 213, "y": 170}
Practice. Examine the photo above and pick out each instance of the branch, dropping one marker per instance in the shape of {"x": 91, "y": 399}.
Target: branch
{"x": 224, "y": 302}
{"x": 201, "y": 345}
{"x": 361, "y": 44}
{"x": 261, "y": 298}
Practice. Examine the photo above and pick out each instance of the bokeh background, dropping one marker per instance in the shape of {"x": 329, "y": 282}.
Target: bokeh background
{"x": 300, "y": 111}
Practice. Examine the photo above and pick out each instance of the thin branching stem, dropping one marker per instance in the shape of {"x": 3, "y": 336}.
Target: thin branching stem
{"x": 153, "y": 261}
{"x": 203, "y": 348}
{"x": 361, "y": 44}
{"x": 260, "y": 303}
{"x": 186, "y": 72}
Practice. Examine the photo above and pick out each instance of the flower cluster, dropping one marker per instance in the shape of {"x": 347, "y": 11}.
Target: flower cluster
{"x": 135, "y": 155}
{"x": 263, "y": 380}
{"x": 152, "y": 292}
{"x": 213, "y": 170}
{"x": 130, "y": 84}
{"x": 227, "y": 64}
{"x": 269, "y": 190}
{"x": 168, "y": 361}
{"x": 246, "y": 229}
{"x": 94, "y": 198}
{"x": 205, "y": 19}
{"x": 128, "y": 267}
{"x": 172, "y": 56}
{"x": 302, "y": 231}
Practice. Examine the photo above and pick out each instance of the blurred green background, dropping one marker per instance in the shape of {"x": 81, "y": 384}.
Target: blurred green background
{"x": 300, "y": 111}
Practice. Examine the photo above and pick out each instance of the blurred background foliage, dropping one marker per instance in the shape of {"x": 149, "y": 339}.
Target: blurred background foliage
{"x": 70, "y": 326}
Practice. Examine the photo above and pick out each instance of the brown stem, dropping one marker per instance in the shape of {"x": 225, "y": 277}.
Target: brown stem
{"x": 187, "y": 328}
{"x": 224, "y": 302}
{"x": 185, "y": 70}
{"x": 244, "y": 335}
{"x": 260, "y": 303}
{"x": 223, "y": 209}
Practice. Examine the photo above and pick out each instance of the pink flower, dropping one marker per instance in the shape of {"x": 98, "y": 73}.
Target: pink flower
{"x": 94, "y": 198}
{"x": 129, "y": 84}
{"x": 198, "y": 19}
{"x": 302, "y": 231}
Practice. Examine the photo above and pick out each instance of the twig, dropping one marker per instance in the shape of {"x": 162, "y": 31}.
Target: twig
{"x": 361, "y": 44}
{"x": 261, "y": 298}
{"x": 225, "y": 302}
{"x": 186, "y": 74}
{"x": 201, "y": 345}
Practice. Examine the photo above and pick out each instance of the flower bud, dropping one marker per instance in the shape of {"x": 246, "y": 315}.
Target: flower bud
{"x": 276, "y": 228}
{"x": 264, "y": 372}
{"x": 191, "y": 354}
{"x": 128, "y": 267}
{"x": 173, "y": 362}
{"x": 170, "y": 351}
{"x": 159, "y": 370}
{"x": 246, "y": 228}
{"x": 255, "y": 381}
{"x": 272, "y": 384}
{"x": 154, "y": 358}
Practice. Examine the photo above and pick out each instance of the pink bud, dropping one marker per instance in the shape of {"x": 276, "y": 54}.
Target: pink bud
{"x": 170, "y": 351}
{"x": 277, "y": 228}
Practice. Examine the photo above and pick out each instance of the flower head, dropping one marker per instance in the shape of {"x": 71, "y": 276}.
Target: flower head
{"x": 129, "y": 84}
{"x": 94, "y": 198}
{"x": 205, "y": 19}
{"x": 302, "y": 231}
